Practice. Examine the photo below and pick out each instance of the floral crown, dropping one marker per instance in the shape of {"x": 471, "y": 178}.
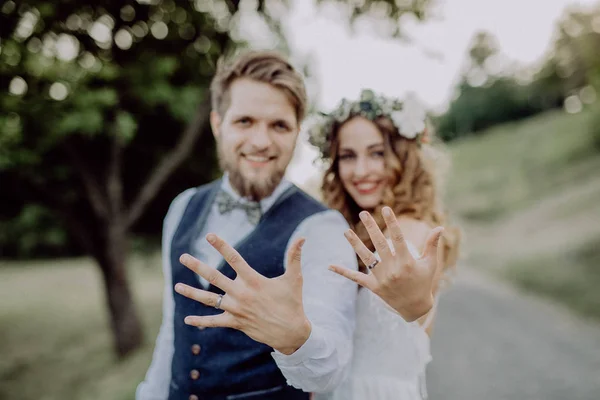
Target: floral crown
{"x": 408, "y": 117}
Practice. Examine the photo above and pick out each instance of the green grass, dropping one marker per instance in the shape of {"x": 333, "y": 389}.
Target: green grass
{"x": 54, "y": 334}
{"x": 514, "y": 165}
{"x": 528, "y": 197}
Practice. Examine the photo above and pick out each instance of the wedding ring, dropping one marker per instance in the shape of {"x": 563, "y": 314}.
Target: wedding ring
{"x": 219, "y": 300}
{"x": 373, "y": 264}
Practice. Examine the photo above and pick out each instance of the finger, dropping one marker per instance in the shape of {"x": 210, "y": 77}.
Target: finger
{"x": 209, "y": 273}
{"x": 431, "y": 249}
{"x": 205, "y": 297}
{"x": 355, "y": 276}
{"x": 294, "y": 259}
{"x": 396, "y": 234}
{"x": 232, "y": 257}
{"x": 377, "y": 237}
{"x": 224, "y": 320}
{"x": 366, "y": 255}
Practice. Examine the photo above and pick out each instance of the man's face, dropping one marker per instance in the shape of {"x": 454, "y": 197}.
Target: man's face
{"x": 256, "y": 137}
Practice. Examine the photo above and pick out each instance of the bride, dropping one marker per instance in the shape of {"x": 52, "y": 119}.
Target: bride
{"x": 380, "y": 160}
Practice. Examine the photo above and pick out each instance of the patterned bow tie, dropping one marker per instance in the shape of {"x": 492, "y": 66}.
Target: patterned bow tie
{"x": 227, "y": 203}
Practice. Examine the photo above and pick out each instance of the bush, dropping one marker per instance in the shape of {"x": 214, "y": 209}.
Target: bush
{"x": 478, "y": 108}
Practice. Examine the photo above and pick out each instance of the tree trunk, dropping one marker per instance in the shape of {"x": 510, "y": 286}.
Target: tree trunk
{"x": 125, "y": 322}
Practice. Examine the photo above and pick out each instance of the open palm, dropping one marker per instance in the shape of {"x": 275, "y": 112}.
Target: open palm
{"x": 269, "y": 310}
{"x": 404, "y": 282}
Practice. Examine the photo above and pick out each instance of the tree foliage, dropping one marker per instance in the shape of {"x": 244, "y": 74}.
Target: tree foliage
{"x": 568, "y": 77}
{"x": 103, "y": 119}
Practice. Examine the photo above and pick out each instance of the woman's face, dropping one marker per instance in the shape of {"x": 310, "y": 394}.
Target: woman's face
{"x": 361, "y": 162}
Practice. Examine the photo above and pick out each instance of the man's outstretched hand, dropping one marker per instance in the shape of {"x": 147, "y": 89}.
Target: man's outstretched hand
{"x": 269, "y": 310}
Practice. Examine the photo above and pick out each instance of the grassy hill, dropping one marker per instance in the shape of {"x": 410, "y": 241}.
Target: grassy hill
{"x": 528, "y": 197}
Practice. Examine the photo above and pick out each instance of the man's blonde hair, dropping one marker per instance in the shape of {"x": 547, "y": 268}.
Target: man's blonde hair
{"x": 262, "y": 66}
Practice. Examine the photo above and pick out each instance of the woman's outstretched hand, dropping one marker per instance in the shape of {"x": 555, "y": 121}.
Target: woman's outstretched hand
{"x": 404, "y": 282}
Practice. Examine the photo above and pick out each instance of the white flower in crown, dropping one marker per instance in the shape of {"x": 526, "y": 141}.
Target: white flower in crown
{"x": 410, "y": 121}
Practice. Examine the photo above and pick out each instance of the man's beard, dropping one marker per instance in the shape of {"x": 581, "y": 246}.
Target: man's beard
{"x": 252, "y": 190}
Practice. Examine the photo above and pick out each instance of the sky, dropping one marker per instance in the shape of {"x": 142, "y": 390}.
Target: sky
{"x": 346, "y": 62}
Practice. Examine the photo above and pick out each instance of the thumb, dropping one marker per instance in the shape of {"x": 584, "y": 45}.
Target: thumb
{"x": 431, "y": 247}
{"x": 294, "y": 259}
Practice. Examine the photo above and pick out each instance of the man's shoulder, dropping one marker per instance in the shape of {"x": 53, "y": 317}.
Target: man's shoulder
{"x": 302, "y": 196}
{"x": 187, "y": 193}
{"x": 321, "y": 214}
{"x": 184, "y": 197}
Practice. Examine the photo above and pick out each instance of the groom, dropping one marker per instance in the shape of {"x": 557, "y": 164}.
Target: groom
{"x": 287, "y": 323}
{"x": 258, "y": 102}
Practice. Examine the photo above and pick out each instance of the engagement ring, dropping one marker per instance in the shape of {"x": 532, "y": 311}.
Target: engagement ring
{"x": 218, "y": 305}
{"x": 373, "y": 264}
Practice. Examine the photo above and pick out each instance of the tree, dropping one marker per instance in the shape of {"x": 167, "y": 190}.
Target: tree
{"x": 484, "y": 47}
{"x": 468, "y": 111}
{"x": 102, "y": 102}
{"x": 85, "y": 88}
{"x": 572, "y": 67}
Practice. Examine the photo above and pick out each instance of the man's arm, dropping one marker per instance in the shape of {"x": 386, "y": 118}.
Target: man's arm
{"x": 272, "y": 310}
{"x": 329, "y": 303}
{"x": 158, "y": 378}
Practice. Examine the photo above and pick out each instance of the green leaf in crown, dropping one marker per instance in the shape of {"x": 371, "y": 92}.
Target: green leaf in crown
{"x": 367, "y": 95}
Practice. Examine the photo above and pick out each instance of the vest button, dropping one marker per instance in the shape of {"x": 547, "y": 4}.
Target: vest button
{"x": 194, "y": 374}
{"x": 195, "y": 349}
{"x": 193, "y": 397}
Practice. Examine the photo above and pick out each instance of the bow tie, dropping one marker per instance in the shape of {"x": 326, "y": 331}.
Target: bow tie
{"x": 227, "y": 203}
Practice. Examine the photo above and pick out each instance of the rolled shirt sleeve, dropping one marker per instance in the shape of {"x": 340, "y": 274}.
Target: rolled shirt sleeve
{"x": 329, "y": 303}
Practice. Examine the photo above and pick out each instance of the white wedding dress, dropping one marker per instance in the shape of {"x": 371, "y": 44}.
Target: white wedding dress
{"x": 389, "y": 354}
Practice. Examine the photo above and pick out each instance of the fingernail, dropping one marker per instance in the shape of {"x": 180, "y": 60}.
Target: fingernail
{"x": 363, "y": 215}
{"x": 387, "y": 212}
{"x": 211, "y": 238}
{"x": 331, "y": 268}
{"x": 187, "y": 320}
{"x": 302, "y": 241}
{"x": 184, "y": 258}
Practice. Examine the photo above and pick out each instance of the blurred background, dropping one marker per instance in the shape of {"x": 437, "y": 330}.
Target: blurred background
{"x": 103, "y": 121}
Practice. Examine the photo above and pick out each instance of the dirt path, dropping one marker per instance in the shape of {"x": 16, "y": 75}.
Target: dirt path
{"x": 493, "y": 342}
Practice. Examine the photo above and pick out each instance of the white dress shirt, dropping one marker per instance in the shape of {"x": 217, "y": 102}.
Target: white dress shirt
{"x": 329, "y": 299}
